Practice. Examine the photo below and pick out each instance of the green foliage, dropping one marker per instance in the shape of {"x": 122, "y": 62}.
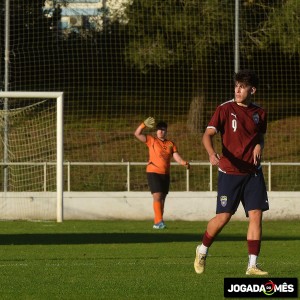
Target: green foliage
{"x": 129, "y": 260}
{"x": 268, "y": 25}
{"x": 168, "y": 32}
{"x": 189, "y": 32}
{"x": 149, "y": 52}
{"x": 284, "y": 27}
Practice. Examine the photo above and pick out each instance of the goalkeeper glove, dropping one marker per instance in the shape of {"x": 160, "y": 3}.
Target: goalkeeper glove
{"x": 149, "y": 122}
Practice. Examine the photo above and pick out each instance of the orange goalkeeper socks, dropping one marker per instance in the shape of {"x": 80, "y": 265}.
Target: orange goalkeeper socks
{"x": 158, "y": 211}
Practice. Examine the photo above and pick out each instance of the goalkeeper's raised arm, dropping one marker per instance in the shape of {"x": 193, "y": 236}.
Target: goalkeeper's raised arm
{"x": 149, "y": 122}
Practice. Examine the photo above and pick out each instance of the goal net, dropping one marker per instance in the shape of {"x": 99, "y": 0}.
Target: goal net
{"x": 32, "y": 150}
{"x": 121, "y": 61}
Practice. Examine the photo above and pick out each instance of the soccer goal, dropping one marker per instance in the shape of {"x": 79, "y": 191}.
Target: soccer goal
{"x": 31, "y": 133}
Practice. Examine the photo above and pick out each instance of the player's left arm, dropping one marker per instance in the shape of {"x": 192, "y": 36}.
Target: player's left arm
{"x": 258, "y": 149}
{"x": 180, "y": 160}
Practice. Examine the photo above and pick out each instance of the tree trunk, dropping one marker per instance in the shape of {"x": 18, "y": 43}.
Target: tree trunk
{"x": 195, "y": 120}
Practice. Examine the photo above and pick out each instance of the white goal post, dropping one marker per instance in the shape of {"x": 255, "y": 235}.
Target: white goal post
{"x": 4, "y": 96}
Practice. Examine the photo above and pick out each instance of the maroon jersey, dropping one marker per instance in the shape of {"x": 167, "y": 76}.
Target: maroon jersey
{"x": 240, "y": 128}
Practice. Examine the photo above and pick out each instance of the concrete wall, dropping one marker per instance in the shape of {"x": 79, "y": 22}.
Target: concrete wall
{"x": 190, "y": 206}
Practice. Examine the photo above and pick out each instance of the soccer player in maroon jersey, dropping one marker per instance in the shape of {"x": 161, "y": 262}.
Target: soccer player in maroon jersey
{"x": 242, "y": 125}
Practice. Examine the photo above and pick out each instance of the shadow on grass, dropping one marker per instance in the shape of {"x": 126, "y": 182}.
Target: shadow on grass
{"x": 118, "y": 238}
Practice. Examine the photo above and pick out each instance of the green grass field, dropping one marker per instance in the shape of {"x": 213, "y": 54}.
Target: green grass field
{"x": 130, "y": 260}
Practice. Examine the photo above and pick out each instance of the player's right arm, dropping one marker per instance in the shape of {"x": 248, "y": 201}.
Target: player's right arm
{"x": 207, "y": 141}
{"x": 149, "y": 122}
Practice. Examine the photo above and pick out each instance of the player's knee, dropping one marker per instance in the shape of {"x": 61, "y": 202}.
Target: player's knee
{"x": 255, "y": 215}
{"x": 222, "y": 219}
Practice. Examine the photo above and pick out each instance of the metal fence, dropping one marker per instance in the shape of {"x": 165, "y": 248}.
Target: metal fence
{"x": 128, "y": 165}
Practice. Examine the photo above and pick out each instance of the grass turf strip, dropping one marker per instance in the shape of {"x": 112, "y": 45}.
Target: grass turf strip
{"x": 130, "y": 260}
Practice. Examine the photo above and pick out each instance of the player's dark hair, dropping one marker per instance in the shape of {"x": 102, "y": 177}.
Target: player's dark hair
{"x": 162, "y": 125}
{"x": 247, "y": 77}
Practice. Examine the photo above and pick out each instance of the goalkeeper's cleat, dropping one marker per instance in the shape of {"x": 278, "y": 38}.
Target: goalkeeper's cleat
{"x": 255, "y": 270}
{"x": 199, "y": 263}
{"x": 160, "y": 225}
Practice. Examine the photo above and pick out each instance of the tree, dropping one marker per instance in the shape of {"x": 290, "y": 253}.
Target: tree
{"x": 283, "y": 27}
{"x": 180, "y": 33}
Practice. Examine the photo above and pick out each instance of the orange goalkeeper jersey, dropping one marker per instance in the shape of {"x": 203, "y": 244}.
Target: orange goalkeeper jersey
{"x": 160, "y": 154}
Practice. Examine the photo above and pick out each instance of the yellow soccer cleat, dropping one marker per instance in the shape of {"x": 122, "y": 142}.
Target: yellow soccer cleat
{"x": 254, "y": 270}
{"x": 199, "y": 263}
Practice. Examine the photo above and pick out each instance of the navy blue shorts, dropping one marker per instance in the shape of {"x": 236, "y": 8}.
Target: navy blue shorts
{"x": 248, "y": 189}
{"x": 158, "y": 183}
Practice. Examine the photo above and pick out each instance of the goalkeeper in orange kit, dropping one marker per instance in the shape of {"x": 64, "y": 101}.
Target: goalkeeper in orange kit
{"x": 161, "y": 151}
